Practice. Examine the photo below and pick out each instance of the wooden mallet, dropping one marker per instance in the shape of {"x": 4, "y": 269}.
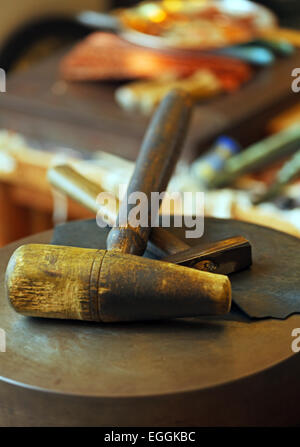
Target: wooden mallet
{"x": 115, "y": 284}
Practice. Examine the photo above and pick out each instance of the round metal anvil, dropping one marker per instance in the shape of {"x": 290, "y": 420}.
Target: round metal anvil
{"x": 204, "y": 371}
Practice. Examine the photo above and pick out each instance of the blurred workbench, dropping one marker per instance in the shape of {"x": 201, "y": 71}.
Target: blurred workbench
{"x": 85, "y": 116}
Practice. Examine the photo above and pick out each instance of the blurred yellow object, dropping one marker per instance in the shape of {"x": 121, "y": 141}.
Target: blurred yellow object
{"x": 290, "y": 35}
{"x": 159, "y": 17}
{"x": 172, "y": 5}
{"x": 153, "y": 12}
{"x": 146, "y": 95}
{"x": 178, "y": 5}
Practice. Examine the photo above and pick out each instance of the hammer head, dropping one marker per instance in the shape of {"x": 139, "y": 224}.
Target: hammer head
{"x": 109, "y": 286}
{"x": 226, "y": 256}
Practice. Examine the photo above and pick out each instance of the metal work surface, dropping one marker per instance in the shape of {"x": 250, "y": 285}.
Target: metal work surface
{"x": 197, "y": 371}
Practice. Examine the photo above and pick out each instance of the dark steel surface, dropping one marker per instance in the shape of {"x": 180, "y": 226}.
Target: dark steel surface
{"x": 197, "y": 371}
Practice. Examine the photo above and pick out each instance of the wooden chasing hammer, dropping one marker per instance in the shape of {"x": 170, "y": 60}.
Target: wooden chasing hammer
{"x": 225, "y": 257}
{"x": 116, "y": 285}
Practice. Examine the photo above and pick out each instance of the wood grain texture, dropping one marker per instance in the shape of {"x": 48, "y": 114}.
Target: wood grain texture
{"x": 51, "y": 282}
{"x": 98, "y": 285}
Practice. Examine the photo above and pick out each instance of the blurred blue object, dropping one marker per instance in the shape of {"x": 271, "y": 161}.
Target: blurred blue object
{"x": 253, "y": 54}
{"x": 280, "y": 48}
{"x": 212, "y": 162}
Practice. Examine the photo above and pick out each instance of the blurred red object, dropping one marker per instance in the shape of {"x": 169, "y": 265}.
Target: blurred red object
{"x": 105, "y": 56}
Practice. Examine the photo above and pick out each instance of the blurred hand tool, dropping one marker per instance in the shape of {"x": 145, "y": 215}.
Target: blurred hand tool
{"x": 287, "y": 174}
{"x": 258, "y": 155}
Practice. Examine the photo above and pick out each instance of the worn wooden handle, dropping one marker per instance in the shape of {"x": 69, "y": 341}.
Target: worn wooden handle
{"x": 157, "y": 159}
{"x": 108, "y": 286}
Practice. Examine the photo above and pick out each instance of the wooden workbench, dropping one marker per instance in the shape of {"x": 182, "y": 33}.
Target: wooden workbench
{"x": 85, "y": 116}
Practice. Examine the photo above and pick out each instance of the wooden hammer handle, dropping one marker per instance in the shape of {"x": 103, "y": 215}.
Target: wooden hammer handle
{"x": 157, "y": 159}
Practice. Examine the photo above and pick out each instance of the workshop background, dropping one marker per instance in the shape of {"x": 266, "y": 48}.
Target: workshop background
{"x": 84, "y": 97}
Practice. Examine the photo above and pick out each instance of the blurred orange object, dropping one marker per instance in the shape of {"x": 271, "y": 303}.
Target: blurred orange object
{"x": 105, "y": 56}
{"x": 290, "y": 35}
{"x": 287, "y": 118}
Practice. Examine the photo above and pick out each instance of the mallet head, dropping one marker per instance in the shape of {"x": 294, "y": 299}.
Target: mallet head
{"x": 109, "y": 286}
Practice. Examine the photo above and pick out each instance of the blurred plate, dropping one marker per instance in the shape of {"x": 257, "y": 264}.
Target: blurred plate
{"x": 194, "y": 25}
